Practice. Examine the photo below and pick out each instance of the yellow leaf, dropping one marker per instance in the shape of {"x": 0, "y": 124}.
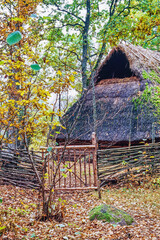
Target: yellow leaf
{"x": 59, "y": 73}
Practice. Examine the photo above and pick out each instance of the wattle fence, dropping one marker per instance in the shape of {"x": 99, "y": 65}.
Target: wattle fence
{"x": 16, "y": 168}
{"x": 78, "y": 170}
{"x": 135, "y": 161}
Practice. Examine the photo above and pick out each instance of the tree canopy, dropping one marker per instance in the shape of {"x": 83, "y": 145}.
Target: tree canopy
{"x": 26, "y": 83}
{"x": 54, "y": 41}
{"x": 84, "y": 31}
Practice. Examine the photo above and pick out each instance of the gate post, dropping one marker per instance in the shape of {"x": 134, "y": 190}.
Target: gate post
{"x": 96, "y": 181}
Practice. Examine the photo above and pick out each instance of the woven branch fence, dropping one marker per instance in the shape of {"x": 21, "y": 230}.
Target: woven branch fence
{"x": 119, "y": 163}
{"x": 16, "y": 168}
{"x": 136, "y": 161}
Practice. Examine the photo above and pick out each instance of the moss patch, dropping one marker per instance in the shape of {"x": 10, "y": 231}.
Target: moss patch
{"x": 110, "y": 214}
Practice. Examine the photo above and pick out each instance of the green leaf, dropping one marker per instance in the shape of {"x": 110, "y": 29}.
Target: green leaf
{"x": 64, "y": 175}
{"x": 33, "y": 15}
{"x": 1, "y": 200}
{"x": 49, "y": 149}
{"x": 114, "y": 225}
{"x": 1, "y": 62}
{"x": 33, "y": 235}
{"x": 17, "y": 19}
{"x": 2, "y": 228}
{"x": 62, "y": 169}
{"x": 35, "y": 67}
{"x": 14, "y": 38}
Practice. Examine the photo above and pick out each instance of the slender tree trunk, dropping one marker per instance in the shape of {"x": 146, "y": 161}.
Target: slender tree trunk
{"x": 94, "y": 106}
{"x": 12, "y": 131}
{"x": 85, "y": 46}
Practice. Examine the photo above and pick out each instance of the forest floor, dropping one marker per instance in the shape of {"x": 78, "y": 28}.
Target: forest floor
{"x": 18, "y": 209}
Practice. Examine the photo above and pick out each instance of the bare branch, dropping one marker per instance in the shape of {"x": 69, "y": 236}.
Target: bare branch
{"x": 70, "y": 13}
{"x": 156, "y": 36}
{"x": 125, "y": 8}
{"x": 105, "y": 32}
{"x": 113, "y": 7}
{"x": 70, "y": 52}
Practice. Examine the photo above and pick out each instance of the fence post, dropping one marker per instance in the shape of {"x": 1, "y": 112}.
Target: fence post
{"x": 0, "y": 150}
{"x": 32, "y": 152}
{"x": 1, "y": 161}
{"x": 96, "y": 181}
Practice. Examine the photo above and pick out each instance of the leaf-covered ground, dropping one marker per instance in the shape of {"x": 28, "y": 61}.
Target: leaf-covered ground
{"x": 19, "y": 207}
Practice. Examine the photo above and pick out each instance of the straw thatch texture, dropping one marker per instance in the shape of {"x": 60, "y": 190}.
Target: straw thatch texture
{"x": 127, "y": 60}
{"x": 117, "y": 82}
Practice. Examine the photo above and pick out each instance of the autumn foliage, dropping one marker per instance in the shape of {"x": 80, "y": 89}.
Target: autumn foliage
{"x": 24, "y": 92}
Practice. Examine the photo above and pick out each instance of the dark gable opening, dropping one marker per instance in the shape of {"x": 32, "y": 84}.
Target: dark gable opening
{"x": 116, "y": 67}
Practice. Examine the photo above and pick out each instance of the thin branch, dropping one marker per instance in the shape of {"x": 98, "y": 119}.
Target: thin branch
{"x": 65, "y": 25}
{"x": 72, "y": 25}
{"x": 125, "y": 8}
{"x": 105, "y": 32}
{"x": 70, "y": 13}
{"x": 113, "y": 7}
{"x": 32, "y": 162}
{"x": 70, "y": 52}
{"x": 156, "y": 36}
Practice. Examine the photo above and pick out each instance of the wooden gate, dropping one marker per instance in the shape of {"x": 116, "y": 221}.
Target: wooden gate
{"x": 72, "y": 167}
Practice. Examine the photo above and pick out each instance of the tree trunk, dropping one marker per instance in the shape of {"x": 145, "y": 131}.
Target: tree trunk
{"x": 94, "y": 106}
{"x": 85, "y": 46}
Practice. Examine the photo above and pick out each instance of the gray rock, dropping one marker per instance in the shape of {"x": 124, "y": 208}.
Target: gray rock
{"x": 111, "y": 214}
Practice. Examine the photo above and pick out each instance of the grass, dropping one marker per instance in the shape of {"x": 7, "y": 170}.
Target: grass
{"x": 146, "y": 198}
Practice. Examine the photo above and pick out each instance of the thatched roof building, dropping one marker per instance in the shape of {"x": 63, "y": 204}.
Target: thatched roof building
{"x": 118, "y": 81}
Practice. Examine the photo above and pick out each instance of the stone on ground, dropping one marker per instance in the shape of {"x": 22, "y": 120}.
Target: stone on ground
{"x": 111, "y": 214}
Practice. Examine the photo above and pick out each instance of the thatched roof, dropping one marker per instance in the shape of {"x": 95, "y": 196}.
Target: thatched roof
{"x": 117, "y": 82}
{"x": 127, "y": 60}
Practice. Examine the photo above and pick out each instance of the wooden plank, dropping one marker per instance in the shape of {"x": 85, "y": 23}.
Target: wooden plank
{"x": 75, "y": 168}
{"x": 85, "y": 174}
{"x": 64, "y": 177}
{"x": 89, "y": 162}
{"x": 52, "y": 167}
{"x": 70, "y": 147}
{"x": 59, "y": 180}
{"x": 48, "y": 171}
{"x": 70, "y": 179}
{"x": 77, "y": 188}
{"x": 80, "y": 172}
{"x": 95, "y": 173}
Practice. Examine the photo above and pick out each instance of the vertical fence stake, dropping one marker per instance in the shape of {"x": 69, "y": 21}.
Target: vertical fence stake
{"x": 75, "y": 168}
{"x": 80, "y": 166}
{"x": 85, "y": 174}
{"x": 96, "y": 180}
{"x": 59, "y": 167}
